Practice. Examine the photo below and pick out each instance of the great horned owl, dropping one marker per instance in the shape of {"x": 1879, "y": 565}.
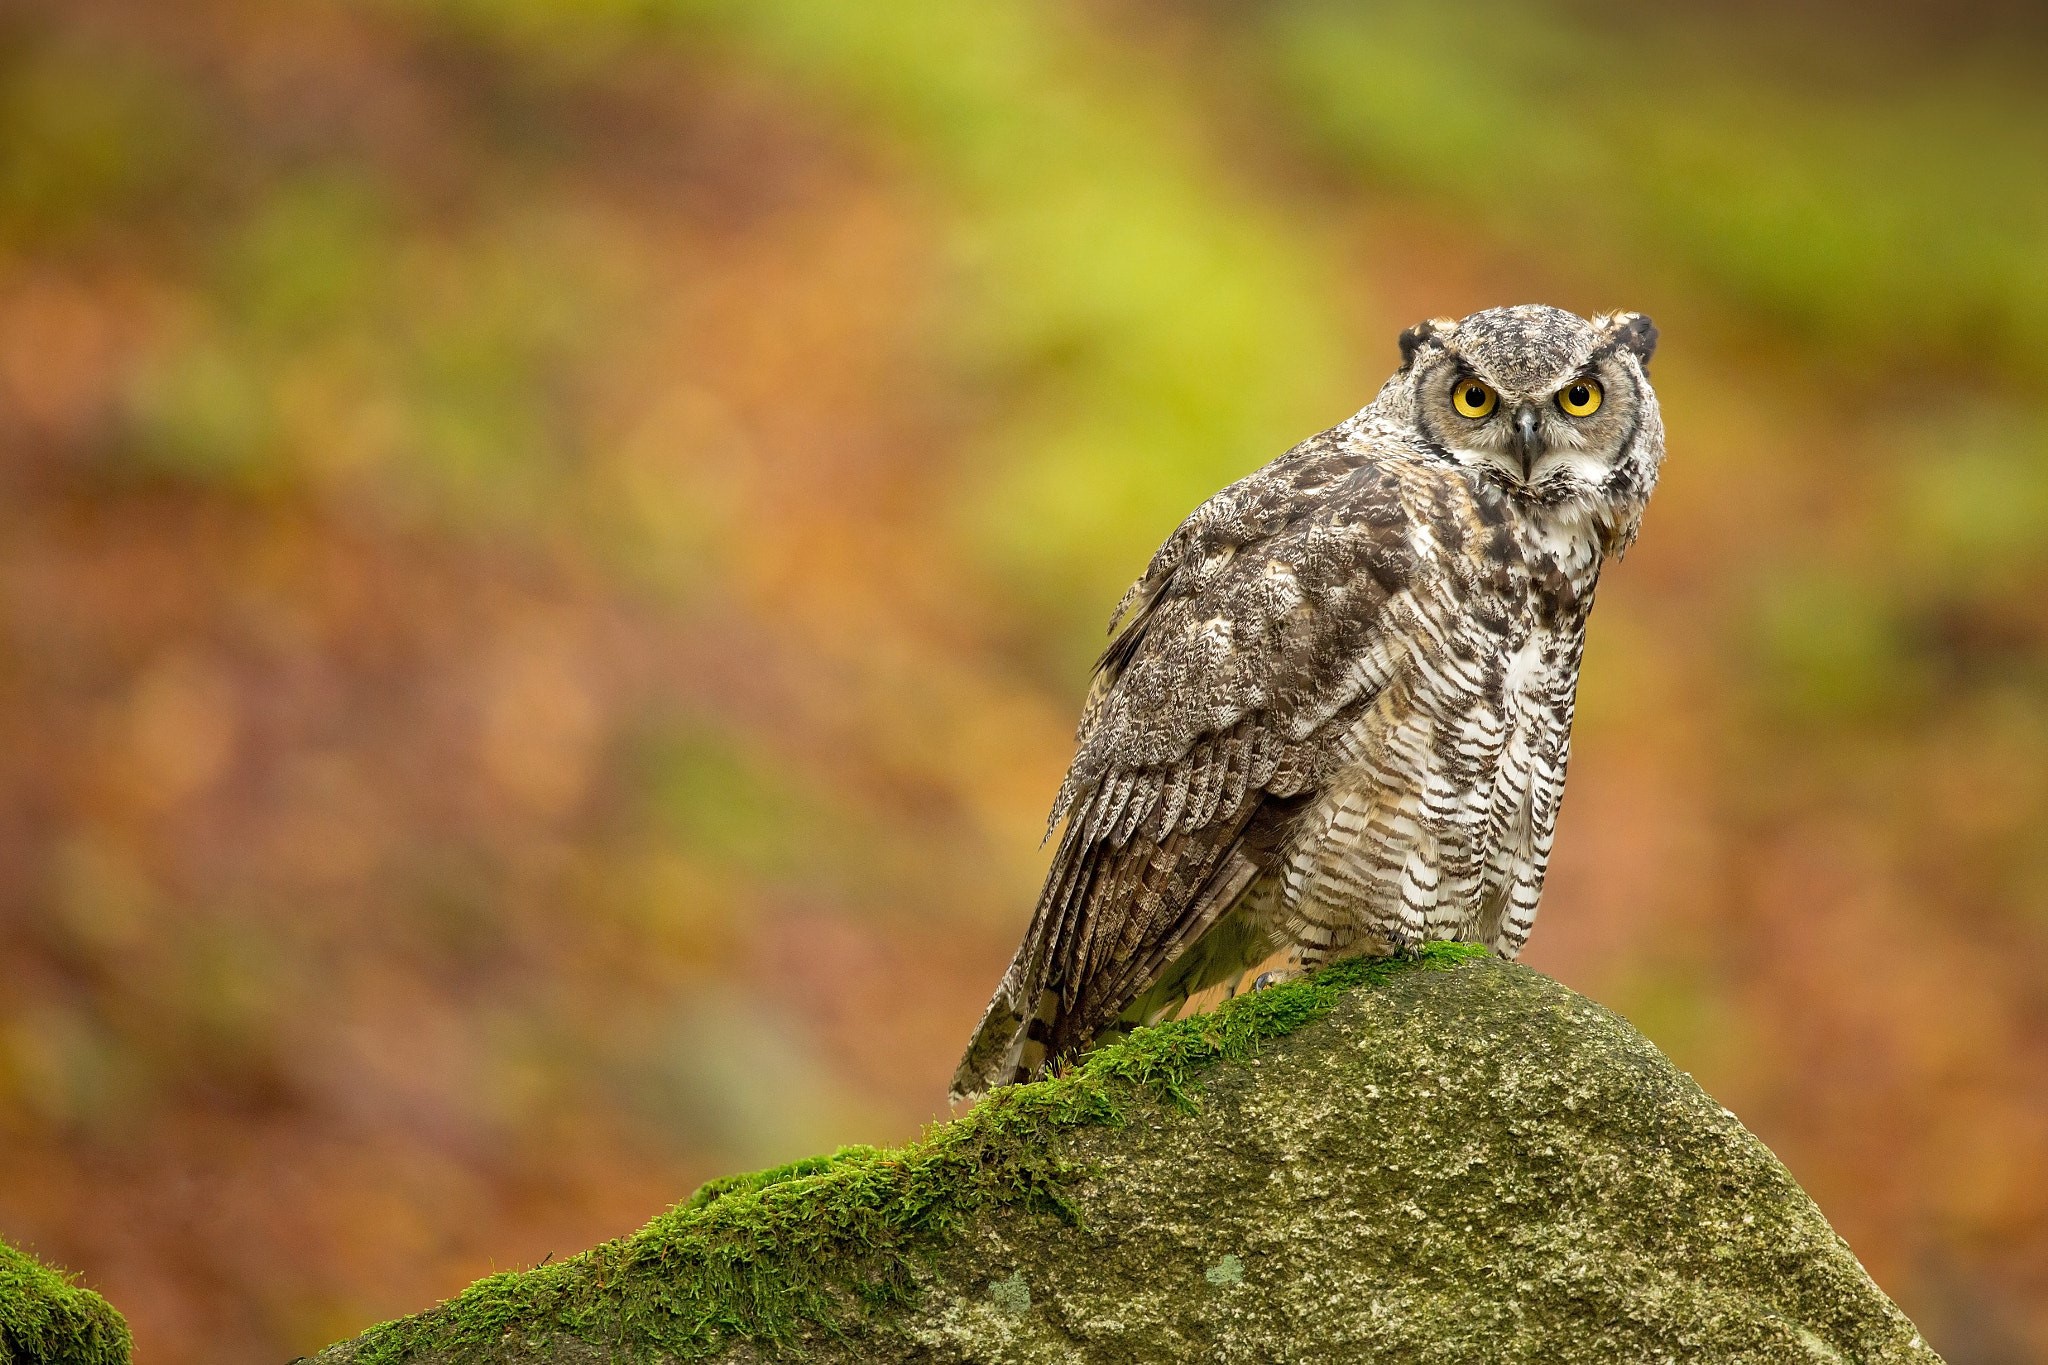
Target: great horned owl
{"x": 1334, "y": 714}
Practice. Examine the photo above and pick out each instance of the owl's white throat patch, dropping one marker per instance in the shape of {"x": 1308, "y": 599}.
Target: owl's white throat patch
{"x": 1573, "y": 532}
{"x": 1575, "y": 465}
{"x": 1589, "y": 472}
{"x": 1488, "y": 462}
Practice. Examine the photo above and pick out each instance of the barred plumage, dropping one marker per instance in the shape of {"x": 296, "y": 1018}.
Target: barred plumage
{"x": 1336, "y": 710}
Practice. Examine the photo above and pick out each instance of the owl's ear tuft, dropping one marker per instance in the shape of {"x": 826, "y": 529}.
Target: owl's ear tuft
{"x": 1428, "y": 330}
{"x": 1634, "y": 331}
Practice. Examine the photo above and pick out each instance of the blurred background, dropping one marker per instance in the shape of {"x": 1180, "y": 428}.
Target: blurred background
{"x": 549, "y": 553}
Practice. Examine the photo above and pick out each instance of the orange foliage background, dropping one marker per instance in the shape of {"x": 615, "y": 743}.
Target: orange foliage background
{"x": 549, "y": 553}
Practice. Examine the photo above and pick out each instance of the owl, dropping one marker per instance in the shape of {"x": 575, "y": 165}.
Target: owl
{"x": 1334, "y": 714}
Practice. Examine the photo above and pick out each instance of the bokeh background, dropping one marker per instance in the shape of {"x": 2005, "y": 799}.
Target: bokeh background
{"x": 549, "y": 552}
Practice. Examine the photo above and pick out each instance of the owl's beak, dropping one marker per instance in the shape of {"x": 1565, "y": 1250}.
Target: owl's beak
{"x": 1528, "y": 440}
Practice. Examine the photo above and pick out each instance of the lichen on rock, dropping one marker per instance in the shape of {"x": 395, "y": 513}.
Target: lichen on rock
{"x": 1378, "y": 1163}
{"x": 45, "y": 1319}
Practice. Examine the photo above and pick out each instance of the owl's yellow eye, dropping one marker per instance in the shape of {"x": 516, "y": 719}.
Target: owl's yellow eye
{"x": 1473, "y": 399}
{"x": 1580, "y": 399}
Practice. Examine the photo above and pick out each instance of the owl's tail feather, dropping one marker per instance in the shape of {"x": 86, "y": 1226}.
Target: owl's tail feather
{"x": 1009, "y": 1044}
{"x": 1012, "y": 1044}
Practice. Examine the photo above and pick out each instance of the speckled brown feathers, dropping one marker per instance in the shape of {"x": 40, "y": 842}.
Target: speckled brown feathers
{"x": 1335, "y": 713}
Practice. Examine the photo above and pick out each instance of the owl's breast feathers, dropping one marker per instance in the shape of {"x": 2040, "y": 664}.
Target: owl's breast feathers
{"x": 1352, "y": 613}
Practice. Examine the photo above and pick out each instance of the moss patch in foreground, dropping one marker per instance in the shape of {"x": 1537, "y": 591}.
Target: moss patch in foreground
{"x": 45, "y": 1319}
{"x": 829, "y": 1240}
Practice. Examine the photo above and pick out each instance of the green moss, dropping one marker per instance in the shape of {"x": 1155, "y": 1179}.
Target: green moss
{"x": 45, "y": 1318}
{"x": 829, "y": 1239}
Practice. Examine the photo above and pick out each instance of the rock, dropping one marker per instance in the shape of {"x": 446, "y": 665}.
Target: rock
{"x": 1455, "y": 1161}
{"x": 45, "y": 1319}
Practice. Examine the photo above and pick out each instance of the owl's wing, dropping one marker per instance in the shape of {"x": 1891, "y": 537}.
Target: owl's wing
{"x": 1258, "y": 627}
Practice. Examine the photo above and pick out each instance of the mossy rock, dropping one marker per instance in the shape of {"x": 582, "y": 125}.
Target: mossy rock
{"x": 45, "y": 1319}
{"x": 1378, "y": 1164}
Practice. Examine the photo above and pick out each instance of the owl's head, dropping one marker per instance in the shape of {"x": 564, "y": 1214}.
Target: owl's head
{"x": 1554, "y": 408}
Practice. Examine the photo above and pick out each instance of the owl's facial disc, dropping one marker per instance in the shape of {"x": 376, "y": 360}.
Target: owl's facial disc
{"x": 1538, "y": 401}
{"x": 1527, "y": 437}
{"x": 1552, "y": 433}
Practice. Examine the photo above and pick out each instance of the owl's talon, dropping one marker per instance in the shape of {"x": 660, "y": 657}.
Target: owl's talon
{"x": 1403, "y": 947}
